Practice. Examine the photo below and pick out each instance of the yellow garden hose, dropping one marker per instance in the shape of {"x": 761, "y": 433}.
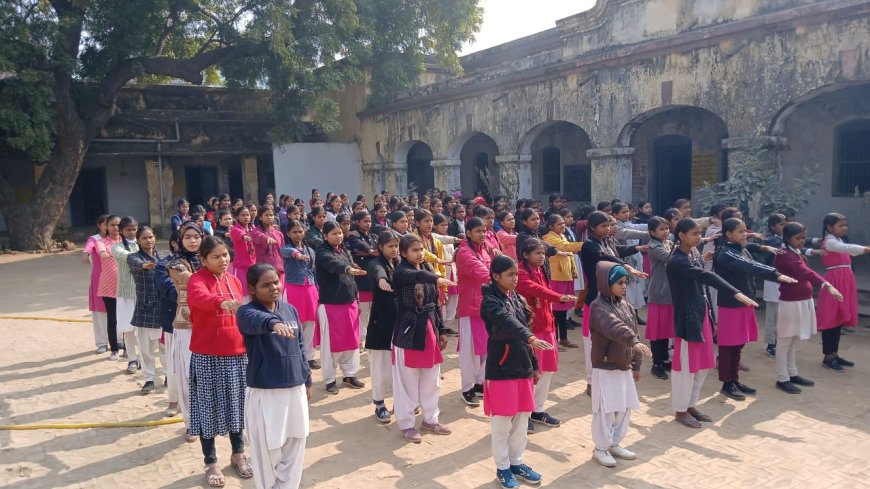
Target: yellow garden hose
{"x": 36, "y": 318}
{"x": 81, "y": 426}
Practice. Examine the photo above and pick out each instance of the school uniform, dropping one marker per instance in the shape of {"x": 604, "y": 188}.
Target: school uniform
{"x": 508, "y": 395}
{"x": 146, "y": 316}
{"x": 693, "y": 330}
{"x": 269, "y": 254}
{"x": 337, "y": 313}
{"x": 245, "y": 254}
{"x": 379, "y": 336}
{"x": 179, "y": 358}
{"x": 276, "y": 404}
{"x": 632, "y": 235}
{"x": 508, "y": 242}
{"x": 472, "y": 263}
{"x": 660, "y": 315}
{"x": 300, "y": 291}
{"x": 832, "y": 314}
{"x": 417, "y": 328}
{"x": 360, "y": 245}
{"x": 796, "y": 319}
{"x": 126, "y": 298}
{"x": 613, "y": 330}
{"x": 737, "y": 324}
{"x": 95, "y": 302}
{"x": 533, "y": 287}
{"x": 217, "y": 363}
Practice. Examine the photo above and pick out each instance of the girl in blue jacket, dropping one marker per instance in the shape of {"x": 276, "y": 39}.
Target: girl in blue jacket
{"x": 279, "y": 382}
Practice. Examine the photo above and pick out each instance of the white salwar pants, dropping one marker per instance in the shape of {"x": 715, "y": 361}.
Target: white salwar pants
{"x": 149, "y": 349}
{"x": 276, "y": 423}
{"x": 180, "y": 370}
{"x": 509, "y": 437}
{"x": 471, "y": 366}
{"x": 587, "y": 357}
{"x": 450, "y": 308}
{"x": 365, "y": 310}
{"x": 786, "y": 357}
{"x": 308, "y": 340}
{"x": 101, "y": 335}
{"x": 686, "y": 386}
{"x": 348, "y": 361}
{"x": 608, "y": 429}
{"x": 165, "y": 360}
{"x": 381, "y": 366}
{"x": 414, "y": 387}
{"x": 126, "y": 332}
{"x": 542, "y": 389}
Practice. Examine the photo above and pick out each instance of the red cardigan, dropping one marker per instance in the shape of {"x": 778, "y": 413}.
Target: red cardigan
{"x": 793, "y": 264}
{"x": 533, "y": 287}
{"x": 214, "y": 330}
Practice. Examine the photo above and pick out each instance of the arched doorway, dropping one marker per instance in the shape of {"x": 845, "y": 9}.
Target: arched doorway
{"x": 478, "y": 170}
{"x": 829, "y": 128}
{"x": 559, "y": 163}
{"x": 420, "y": 172}
{"x": 677, "y": 150}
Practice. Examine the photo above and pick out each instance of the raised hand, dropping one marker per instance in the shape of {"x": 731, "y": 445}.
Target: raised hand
{"x": 384, "y": 285}
{"x": 746, "y": 301}
{"x": 785, "y": 279}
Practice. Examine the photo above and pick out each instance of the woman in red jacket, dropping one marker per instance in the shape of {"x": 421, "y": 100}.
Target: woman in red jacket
{"x": 218, "y": 361}
{"x": 534, "y": 285}
{"x": 472, "y": 263}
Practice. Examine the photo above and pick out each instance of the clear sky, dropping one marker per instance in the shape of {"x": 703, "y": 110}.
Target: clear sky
{"x": 506, "y": 20}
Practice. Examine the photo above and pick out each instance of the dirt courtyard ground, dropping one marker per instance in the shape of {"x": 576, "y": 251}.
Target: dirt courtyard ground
{"x": 50, "y": 374}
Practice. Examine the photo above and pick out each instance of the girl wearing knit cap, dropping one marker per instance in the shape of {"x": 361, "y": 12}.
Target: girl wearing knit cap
{"x": 616, "y": 357}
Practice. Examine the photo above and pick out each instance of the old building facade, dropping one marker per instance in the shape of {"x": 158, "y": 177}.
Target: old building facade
{"x": 642, "y": 100}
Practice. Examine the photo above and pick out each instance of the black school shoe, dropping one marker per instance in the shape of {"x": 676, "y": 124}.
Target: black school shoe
{"x": 745, "y": 388}
{"x": 332, "y": 388}
{"x": 148, "y": 388}
{"x": 832, "y": 364}
{"x": 659, "y": 372}
{"x": 797, "y": 379}
{"x": 478, "y": 390}
{"x": 352, "y": 382}
{"x": 470, "y": 398}
{"x": 729, "y": 389}
{"x": 846, "y": 363}
{"x": 788, "y": 387}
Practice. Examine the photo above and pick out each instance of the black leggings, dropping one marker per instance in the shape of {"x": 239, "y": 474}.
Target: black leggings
{"x": 659, "y": 351}
{"x": 561, "y": 324}
{"x": 112, "y": 322}
{"x": 209, "y": 452}
{"x": 831, "y": 340}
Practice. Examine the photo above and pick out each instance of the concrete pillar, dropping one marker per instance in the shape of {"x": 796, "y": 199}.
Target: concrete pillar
{"x": 744, "y": 151}
{"x": 515, "y": 176}
{"x": 611, "y": 173}
{"x": 447, "y": 174}
{"x": 373, "y": 178}
{"x": 250, "y": 181}
{"x": 159, "y": 215}
{"x": 396, "y": 178}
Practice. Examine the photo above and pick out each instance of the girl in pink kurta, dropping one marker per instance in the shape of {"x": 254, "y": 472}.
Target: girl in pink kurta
{"x": 268, "y": 240}
{"x": 243, "y": 244}
{"x": 832, "y": 314}
{"x": 472, "y": 263}
{"x": 108, "y": 283}
{"x": 507, "y": 235}
{"x": 91, "y": 256}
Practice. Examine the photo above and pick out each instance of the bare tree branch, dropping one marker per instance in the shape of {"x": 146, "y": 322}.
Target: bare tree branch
{"x": 167, "y": 29}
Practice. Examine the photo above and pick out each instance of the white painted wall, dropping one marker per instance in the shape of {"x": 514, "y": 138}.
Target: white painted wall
{"x": 334, "y": 167}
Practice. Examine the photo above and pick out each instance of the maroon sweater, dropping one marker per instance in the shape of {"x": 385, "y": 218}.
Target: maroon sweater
{"x": 791, "y": 263}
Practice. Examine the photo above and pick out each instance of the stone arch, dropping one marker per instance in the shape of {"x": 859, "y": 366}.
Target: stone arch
{"x": 815, "y": 126}
{"x": 417, "y": 157}
{"x": 476, "y": 152}
{"x": 676, "y": 149}
{"x": 558, "y": 160}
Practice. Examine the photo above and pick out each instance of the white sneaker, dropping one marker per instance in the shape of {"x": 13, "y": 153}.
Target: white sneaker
{"x": 603, "y": 457}
{"x": 623, "y": 453}
{"x": 113, "y": 356}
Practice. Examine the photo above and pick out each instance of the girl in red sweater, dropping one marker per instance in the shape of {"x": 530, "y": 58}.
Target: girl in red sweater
{"x": 218, "y": 361}
{"x": 534, "y": 285}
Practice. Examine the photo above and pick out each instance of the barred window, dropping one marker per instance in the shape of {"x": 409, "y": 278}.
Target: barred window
{"x": 852, "y": 157}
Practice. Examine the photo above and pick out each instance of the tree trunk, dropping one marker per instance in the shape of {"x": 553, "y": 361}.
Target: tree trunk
{"x": 32, "y": 224}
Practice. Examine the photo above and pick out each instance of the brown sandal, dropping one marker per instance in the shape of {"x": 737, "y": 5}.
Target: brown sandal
{"x": 242, "y": 467}
{"x": 691, "y": 422}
